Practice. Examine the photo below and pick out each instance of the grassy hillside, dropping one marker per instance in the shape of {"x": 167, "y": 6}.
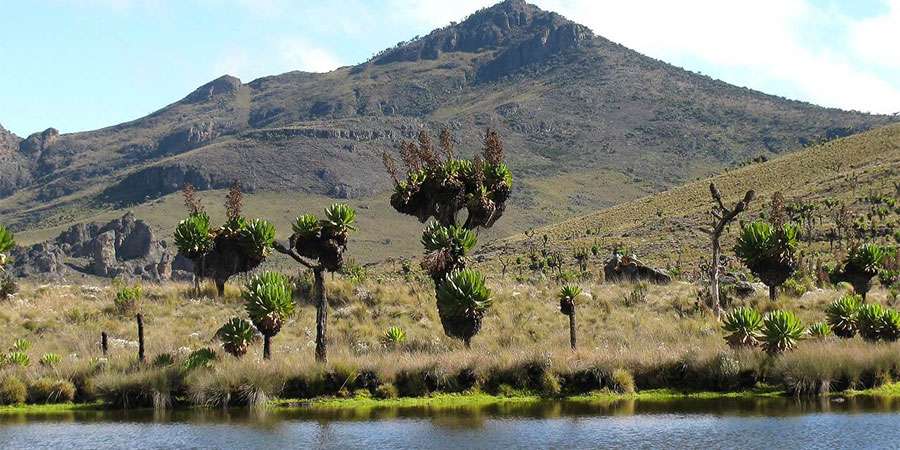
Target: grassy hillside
{"x": 663, "y": 228}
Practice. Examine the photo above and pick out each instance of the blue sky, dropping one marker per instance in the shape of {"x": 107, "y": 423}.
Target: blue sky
{"x": 84, "y": 64}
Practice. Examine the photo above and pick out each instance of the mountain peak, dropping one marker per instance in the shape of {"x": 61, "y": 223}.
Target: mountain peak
{"x": 226, "y": 84}
{"x": 512, "y": 25}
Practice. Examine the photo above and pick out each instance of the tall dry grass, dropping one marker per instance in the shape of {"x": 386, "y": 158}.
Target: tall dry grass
{"x": 664, "y": 340}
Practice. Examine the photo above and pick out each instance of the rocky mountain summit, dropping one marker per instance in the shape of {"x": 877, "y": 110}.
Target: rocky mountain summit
{"x": 568, "y": 103}
{"x": 125, "y": 247}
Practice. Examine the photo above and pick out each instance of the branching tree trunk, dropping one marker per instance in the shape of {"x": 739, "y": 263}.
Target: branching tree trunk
{"x": 720, "y": 216}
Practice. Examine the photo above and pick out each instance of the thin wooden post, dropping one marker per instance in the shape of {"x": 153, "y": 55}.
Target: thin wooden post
{"x": 104, "y": 343}
{"x": 140, "y": 324}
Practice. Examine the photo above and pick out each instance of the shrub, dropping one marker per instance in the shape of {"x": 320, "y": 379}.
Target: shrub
{"x": 269, "y": 302}
{"x": 6, "y": 244}
{"x": 8, "y": 286}
{"x": 163, "y": 360}
{"x": 203, "y": 357}
{"x": 622, "y": 381}
{"x": 842, "y": 315}
{"x": 744, "y": 326}
{"x": 21, "y": 345}
{"x": 870, "y": 321}
{"x": 386, "y": 391}
{"x": 18, "y": 358}
{"x": 127, "y": 299}
{"x": 12, "y": 391}
{"x": 768, "y": 251}
{"x": 236, "y": 335}
{"x": 393, "y": 337}
{"x": 820, "y": 330}
{"x": 192, "y": 235}
{"x": 462, "y": 300}
{"x": 47, "y": 390}
{"x": 781, "y": 331}
{"x": 50, "y": 359}
{"x": 890, "y": 327}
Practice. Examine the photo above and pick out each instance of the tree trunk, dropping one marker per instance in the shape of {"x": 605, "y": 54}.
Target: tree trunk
{"x": 714, "y": 276}
{"x": 220, "y": 288}
{"x": 572, "y": 329}
{"x": 773, "y": 293}
{"x": 468, "y": 343}
{"x": 140, "y": 324}
{"x": 267, "y": 347}
{"x": 321, "y": 316}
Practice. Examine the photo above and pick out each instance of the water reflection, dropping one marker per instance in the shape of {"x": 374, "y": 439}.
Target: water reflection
{"x": 474, "y": 416}
{"x": 694, "y": 423}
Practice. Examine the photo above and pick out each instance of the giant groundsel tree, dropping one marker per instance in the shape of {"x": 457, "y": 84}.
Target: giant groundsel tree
{"x": 438, "y": 186}
{"x": 319, "y": 244}
{"x": 768, "y": 248}
{"x": 238, "y": 246}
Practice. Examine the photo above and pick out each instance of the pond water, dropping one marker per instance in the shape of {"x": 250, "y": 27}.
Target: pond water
{"x": 689, "y": 423}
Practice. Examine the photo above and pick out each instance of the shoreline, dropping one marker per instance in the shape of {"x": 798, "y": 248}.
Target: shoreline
{"x": 470, "y": 399}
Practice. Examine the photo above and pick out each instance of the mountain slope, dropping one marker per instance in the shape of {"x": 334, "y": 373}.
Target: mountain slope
{"x": 587, "y": 124}
{"x": 664, "y": 228}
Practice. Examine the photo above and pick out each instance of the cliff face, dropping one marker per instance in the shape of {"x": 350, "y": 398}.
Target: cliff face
{"x": 565, "y": 101}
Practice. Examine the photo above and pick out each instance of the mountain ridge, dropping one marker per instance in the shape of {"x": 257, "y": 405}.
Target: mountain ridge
{"x": 567, "y": 102}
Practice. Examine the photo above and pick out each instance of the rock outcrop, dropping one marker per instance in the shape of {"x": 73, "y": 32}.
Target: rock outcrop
{"x": 125, "y": 247}
{"x": 628, "y": 268}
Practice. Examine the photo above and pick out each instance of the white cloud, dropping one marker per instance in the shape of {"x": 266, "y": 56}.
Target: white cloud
{"x": 284, "y": 54}
{"x": 299, "y": 54}
{"x": 877, "y": 39}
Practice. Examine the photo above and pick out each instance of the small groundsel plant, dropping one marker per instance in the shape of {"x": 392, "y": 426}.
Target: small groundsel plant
{"x": 50, "y": 360}
{"x": 269, "y": 302}
{"x": 782, "y": 330}
{"x": 200, "y": 358}
{"x": 820, "y": 330}
{"x": 128, "y": 299}
{"x": 743, "y": 327}
{"x": 236, "y": 335}
{"x": 462, "y": 300}
{"x": 393, "y": 337}
{"x": 842, "y": 314}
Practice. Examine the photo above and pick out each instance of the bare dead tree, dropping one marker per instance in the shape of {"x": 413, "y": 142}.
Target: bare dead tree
{"x": 720, "y": 217}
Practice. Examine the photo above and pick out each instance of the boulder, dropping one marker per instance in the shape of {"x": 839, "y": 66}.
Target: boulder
{"x": 628, "y": 268}
{"x": 103, "y": 254}
{"x": 122, "y": 247}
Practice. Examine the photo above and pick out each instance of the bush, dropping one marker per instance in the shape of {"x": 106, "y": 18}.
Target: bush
{"x": 842, "y": 315}
{"x": 820, "y": 330}
{"x": 8, "y": 287}
{"x": 12, "y": 391}
{"x": 47, "y": 390}
{"x": 743, "y": 326}
{"x": 870, "y": 321}
{"x": 622, "y": 381}
{"x": 386, "y": 391}
{"x": 127, "y": 299}
{"x": 393, "y": 337}
{"x": 781, "y": 331}
{"x": 204, "y": 357}
{"x": 890, "y": 330}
